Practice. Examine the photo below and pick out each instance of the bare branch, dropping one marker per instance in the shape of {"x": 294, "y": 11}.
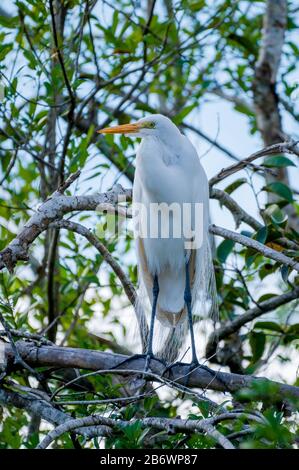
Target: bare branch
{"x": 211, "y": 141}
{"x": 81, "y": 230}
{"x": 239, "y": 214}
{"x": 127, "y": 285}
{"x": 282, "y": 147}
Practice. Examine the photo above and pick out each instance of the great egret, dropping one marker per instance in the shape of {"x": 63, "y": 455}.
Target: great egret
{"x": 176, "y": 270}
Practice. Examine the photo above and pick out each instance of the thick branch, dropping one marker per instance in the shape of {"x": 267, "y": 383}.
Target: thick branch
{"x": 54, "y": 356}
{"x": 46, "y": 411}
{"x": 203, "y": 426}
{"x": 52, "y": 210}
{"x": 275, "y": 22}
{"x": 58, "y": 205}
{"x": 264, "y": 87}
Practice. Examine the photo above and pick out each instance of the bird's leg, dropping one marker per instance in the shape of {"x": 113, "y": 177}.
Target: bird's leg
{"x": 188, "y": 302}
{"x": 149, "y": 351}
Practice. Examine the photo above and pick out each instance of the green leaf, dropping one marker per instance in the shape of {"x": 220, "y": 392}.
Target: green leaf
{"x": 278, "y": 161}
{"x": 224, "y": 249}
{"x": 267, "y": 296}
{"x": 4, "y": 50}
{"x": 257, "y": 343}
{"x": 293, "y": 329}
{"x": 261, "y": 235}
{"x": 281, "y": 190}
{"x": 250, "y": 256}
{"x": 187, "y": 110}
{"x": 235, "y": 185}
{"x": 9, "y": 22}
{"x": 276, "y": 214}
{"x": 31, "y": 58}
{"x": 268, "y": 325}
{"x": 114, "y": 22}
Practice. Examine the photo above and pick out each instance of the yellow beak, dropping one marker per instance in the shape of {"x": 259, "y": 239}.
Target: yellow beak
{"x": 123, "y": 129}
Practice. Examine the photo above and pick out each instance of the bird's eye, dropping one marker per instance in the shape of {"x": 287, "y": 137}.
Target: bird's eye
{"x": 151, "y": 125}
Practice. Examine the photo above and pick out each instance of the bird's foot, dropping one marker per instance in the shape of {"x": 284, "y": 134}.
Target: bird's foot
{"x": 148, "y": 357}
{"x": 190, "y": 368}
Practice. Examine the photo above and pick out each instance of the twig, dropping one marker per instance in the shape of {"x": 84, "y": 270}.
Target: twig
{"x": 10, "y": 166}
{"x": 46, "y": 411}
{"x": 24, "y": 334}
{"x": 18, "y": 360}
{"x": 211, "y": 141}
{"x": 282, "y": 147}
{"x": 254, "y": 244}
{"x": 241, "y": 320}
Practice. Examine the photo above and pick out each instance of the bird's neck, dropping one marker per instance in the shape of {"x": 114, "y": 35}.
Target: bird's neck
{"x": 169, "y": 148}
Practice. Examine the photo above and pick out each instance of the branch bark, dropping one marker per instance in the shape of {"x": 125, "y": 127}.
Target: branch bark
{"x": 281, "y": 147}
{"x": 264, "y": 87}
{"x": 254, "y": 244}
{"x": 203, "y": 426}
{"x": 46, "y": 411}
{"x": 239, "y": 214}
{"x": 205, "y": 378}
{"x": 250, "y": 315}
{"x": 53, "y": 209}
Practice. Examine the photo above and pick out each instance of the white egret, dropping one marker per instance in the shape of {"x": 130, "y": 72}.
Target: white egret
{"x": 176, "y": 270}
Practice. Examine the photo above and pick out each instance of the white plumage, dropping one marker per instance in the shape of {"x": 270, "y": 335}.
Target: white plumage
{"x": 168, "y": 170}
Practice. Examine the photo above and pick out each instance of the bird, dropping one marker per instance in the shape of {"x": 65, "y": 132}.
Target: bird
{"x": 175, "y": 271}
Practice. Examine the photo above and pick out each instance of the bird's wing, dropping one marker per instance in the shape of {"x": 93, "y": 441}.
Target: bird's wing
{"x": 144, "y": 274}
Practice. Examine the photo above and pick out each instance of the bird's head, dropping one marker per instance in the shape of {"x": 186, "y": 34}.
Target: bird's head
{"x": 155, "y": 125}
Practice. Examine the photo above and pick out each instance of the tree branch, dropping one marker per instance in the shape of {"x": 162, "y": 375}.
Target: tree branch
{"x": 255, "y": 245}
{"x": 53, "y": 209}
{"x": 282, "y": 147}
{"x": 127, "y": 285}
{"x": 239, "y": 214}
{"x": 241, "y": 320}
{"x": 205, "y": 378}
{"x": 203, "y": 426}
{"x": 46, "y": 411}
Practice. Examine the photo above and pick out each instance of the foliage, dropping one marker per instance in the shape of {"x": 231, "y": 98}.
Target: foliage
{"x": 117, "y": 61}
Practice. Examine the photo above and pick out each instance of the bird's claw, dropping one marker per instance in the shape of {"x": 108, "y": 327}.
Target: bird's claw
{"x": 148, "y": 357}
{"x": 192, "y": 366}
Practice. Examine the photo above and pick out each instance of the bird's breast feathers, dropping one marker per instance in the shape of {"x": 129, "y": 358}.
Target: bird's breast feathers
{"x": 169, "y": 174}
